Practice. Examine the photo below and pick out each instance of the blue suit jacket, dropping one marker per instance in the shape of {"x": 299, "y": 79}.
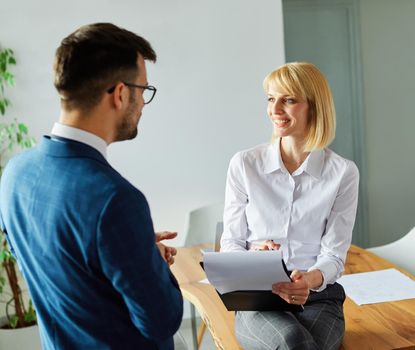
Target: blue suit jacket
{"x": 84, "y": 239}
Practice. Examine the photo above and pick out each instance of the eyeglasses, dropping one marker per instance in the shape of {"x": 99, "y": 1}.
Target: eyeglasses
{"x": 149, "y": 91}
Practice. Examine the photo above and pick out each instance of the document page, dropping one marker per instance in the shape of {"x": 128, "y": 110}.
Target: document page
{"x": 378, "y": 286}
{"x": 252, "y": 270}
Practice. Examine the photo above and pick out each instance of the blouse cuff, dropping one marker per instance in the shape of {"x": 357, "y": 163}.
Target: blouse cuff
{"x": 328, "y": 270}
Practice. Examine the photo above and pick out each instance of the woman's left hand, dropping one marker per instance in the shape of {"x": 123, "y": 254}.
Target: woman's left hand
{"x": 295, "y": 292}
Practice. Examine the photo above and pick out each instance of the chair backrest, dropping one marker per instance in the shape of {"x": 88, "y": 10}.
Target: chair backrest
{"x": 202, "y": 224}
{"x": 400, "y": 252}
{"x": 219, "y": 231}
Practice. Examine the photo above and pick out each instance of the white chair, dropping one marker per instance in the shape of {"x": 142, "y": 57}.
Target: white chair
{"x": 400, "y": 252}
{"x": 179, "y": 342}
{"x": 203, "y": 225}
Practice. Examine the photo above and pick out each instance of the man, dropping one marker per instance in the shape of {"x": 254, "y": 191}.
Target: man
{"x": 82, "y": 234}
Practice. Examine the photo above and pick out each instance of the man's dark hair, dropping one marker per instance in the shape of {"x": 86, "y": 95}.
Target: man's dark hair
{"x": 92, "y": 59}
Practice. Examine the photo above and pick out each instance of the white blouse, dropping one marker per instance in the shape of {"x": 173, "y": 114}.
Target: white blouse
{"x": 310, "y": 212}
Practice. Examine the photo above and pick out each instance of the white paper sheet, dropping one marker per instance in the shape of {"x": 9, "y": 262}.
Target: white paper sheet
{"x": 256, "y": 270}
{"x": 378, "y": 286}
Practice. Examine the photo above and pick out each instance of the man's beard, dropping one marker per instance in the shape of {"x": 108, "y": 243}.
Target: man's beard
{"x": 127, "y": 129}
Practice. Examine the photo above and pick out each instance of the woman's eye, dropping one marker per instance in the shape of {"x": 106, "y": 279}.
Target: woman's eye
{"x": 271, "y": 99}
{"x": 290, "y": 101}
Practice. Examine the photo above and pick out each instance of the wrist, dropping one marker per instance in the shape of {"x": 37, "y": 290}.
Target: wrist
{"x": 314, "y": 279}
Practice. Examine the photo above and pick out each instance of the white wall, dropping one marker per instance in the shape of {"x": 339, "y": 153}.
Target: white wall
{"x": 213, "y": 56}
{"x": 388, "y": 73}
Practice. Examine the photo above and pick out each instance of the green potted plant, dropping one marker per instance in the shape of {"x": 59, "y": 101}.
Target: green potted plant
{"x": 13, "y": 136}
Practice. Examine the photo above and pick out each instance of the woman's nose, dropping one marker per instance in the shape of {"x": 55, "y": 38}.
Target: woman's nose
{"x": 277, "y": 107}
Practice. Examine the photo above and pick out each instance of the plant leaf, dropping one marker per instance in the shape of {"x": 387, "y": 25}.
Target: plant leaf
{"x": 30, "y": 315}
{"x": 13, "y": 321}
{"x": 3, "y": 256}
{"x": 23, "y": 128}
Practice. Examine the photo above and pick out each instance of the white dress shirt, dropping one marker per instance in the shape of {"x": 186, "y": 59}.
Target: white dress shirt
{"x": 310, "y": 212}
{"x": 71, "y": 133}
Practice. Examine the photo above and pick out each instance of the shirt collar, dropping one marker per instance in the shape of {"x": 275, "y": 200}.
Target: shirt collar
{"x": 312, "y": 165}
{"x": 272, "y": 158}
{"x": 71, "y": 133}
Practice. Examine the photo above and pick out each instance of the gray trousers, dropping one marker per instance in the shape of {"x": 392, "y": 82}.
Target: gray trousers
{"x": 319, "y": 326}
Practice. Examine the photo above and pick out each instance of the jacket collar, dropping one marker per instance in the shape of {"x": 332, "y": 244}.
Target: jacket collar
{"x": 62, "y": 147}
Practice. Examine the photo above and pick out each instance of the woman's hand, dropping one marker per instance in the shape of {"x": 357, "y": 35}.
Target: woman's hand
{"x": 266, "y": 245}
{"x": 297, "y": 291}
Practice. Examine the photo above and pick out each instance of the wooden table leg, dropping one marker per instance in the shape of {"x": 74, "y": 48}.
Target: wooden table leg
{"x": 194, "y": 327}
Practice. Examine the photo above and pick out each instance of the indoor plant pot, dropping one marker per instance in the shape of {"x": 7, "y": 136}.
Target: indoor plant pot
{"x": 19, "y": 338}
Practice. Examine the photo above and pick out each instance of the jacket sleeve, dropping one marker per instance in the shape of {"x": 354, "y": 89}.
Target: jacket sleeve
{"x": 133, "y": 264}
{"x": 3, "y": 228}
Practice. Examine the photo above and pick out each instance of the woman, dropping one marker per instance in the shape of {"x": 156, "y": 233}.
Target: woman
{"x": 298, "y": 196}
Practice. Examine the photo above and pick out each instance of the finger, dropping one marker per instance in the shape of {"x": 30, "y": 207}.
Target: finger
{"x": 296, "y": 289}
{"x": 284, "y": 296}
{"x": 165, "y": 235}
{"x": 258, "y": 248}
{"x": 294, "y": 298}
{"x": 172, "y": 251}
{"x": 269, "y": 245}
{"x": 272, "y": 245}
{"x": 296, "y": 275}
{"x": 291, "y": 288}
{"x": 162, "y": 250}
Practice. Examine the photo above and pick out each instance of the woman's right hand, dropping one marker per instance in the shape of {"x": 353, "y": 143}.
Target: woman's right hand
{"x": 266, "y": 245}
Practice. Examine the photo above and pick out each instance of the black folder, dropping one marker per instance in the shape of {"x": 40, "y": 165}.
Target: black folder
{"x": 257, "y": 300}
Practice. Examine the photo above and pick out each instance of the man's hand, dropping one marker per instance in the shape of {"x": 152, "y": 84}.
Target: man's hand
{"x": 166, "y": 252}
{"x": 266, "y": 245}
{"x": 161, "y": 236}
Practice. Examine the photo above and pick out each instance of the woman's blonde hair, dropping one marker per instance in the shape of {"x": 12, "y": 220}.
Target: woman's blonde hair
{"x": 304, "y": 81}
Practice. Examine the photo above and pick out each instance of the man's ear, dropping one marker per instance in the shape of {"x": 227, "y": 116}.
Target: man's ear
{"x": 119, "y": 95}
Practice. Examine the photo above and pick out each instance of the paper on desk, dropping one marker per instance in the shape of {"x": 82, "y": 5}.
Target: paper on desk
{"x": 378, "y": 286}
{"x": 231, "y": 271}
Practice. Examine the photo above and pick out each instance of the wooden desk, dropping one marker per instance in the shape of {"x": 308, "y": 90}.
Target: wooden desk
{"x": 204, "y": 297}
{"x": 377, "y": 327}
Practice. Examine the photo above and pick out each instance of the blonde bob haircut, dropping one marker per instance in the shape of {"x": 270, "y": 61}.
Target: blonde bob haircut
{"x": 305, "y": 82}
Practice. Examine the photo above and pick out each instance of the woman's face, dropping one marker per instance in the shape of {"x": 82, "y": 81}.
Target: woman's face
{"x": 289, "y": 115}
